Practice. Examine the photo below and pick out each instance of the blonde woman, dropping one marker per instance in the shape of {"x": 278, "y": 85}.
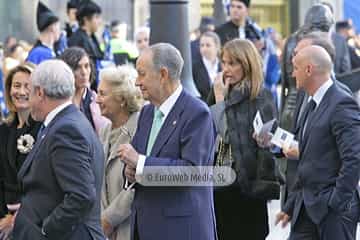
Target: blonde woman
{"x": 17, "y": 136}
{"x": 119, "y": 101}
{"x": 241, "y": 208}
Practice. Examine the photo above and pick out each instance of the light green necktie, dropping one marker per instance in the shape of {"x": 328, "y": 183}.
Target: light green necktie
{"x": 155, "y": 128}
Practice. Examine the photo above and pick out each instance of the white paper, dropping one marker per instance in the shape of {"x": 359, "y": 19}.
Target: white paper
{"x": 257, "y": 123}
{"x": 282, "y": 138}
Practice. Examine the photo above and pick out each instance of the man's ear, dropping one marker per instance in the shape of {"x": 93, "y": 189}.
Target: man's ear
{"x": 40, "y": 92}
{"x": 164, "y": 74}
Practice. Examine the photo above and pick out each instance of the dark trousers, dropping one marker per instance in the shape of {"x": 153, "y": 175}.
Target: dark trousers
{"x": 334, "y": 226}
{"x": 240, "y": 217}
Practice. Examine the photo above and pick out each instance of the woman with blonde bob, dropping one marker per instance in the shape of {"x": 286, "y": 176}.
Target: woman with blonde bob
{"x": 17, "y": 137}
{"x": 241, "y": 207}
{"x": 120, "y": 101}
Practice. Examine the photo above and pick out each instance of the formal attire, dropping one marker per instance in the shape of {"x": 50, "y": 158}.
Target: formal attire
{"x": 185, "y": 137}
{"x": 241, "y": 208}
{"x": 62, "y": 179}
{"x": 324, "y": 203}
{"x": 292, "y": 164}
{"x": 204, "y": 73}
{"x": 116, "y": 201}
{"x": 11, "y": 158}
{"x": 40, "y": 53}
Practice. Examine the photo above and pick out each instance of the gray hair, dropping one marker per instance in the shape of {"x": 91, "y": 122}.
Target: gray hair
{"x": 165, "y": 55}
{"x": 122, "y": 81}
{"x": 56, "y": 78}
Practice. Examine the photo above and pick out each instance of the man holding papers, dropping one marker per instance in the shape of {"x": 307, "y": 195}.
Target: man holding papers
{"x": 325, "y": 201}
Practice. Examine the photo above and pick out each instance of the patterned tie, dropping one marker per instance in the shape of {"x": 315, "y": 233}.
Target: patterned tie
{"x": 155, "y": 128}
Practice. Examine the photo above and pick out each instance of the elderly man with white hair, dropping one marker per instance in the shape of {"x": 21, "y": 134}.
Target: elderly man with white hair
{"x": 175, "y": 129}
{"x": 62, "y": 176}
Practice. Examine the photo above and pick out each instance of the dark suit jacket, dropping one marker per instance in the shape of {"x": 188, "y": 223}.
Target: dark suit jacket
{"x": 291, "y": 166}
{"x": 186, "y": 138}
{"x": 202, "y": 79}
{"x": 62, "y": 178}
{"x": 328, "y": 171}
{"x": 342, "y": 54}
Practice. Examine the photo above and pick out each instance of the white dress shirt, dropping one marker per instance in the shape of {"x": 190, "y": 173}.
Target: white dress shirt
{"x": 320, "y": 93}
{"x": 51, "y": 115}
{"x": 211, "y": 68}
{"x": 165, "y": 108}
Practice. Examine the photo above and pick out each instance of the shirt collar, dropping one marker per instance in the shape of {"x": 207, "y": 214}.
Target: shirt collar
{"x": 51, "y": 115}
{"x": 168, "y": 104}
{"x": 209, "y": 65}
{"x": 320, "y": 93}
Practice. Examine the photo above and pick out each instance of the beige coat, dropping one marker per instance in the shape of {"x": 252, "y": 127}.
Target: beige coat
{"x": 115, "y": 201}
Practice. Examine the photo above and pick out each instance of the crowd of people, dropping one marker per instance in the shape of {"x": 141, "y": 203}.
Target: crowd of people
{"x": 83, "y": 121}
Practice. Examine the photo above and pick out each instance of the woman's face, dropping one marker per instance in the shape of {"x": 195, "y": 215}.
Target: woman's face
{"x": 109, "y": 105}
{"x": 208, "y": 48}
{"x": 232, "y": 70}
{"x": 82, "y": 73}
{"x": 20, "y": 91}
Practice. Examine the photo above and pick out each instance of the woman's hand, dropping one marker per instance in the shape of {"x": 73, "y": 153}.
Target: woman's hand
{"x": 219, "y": 87}
{"x": 107, "y": 228}
{"x": 6, "y": 226}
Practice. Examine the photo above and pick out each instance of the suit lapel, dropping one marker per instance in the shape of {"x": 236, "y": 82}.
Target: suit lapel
{"x": 147, "y": 123}
{"x": 29, "y": 159}
{"x": 204, "y": 72}
{"x": 169, "y": 125}
{"x": 316, "y": 115}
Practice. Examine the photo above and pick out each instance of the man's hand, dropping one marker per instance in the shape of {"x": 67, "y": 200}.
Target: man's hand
{"x": 282, "y": 217}
{"x": 107, "y": 228}
{"x": 263, "y": 140}
{"x": 130, "y": 173}
{"x": 128, "y": 155}
{"x": 291, "y": 152}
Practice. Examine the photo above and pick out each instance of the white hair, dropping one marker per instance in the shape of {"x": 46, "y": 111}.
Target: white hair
{"x": 56, "y": 78}
{"x": 144, "y": 29}
{"x": 167, "y": 56}
{"x": 122, "y": 80}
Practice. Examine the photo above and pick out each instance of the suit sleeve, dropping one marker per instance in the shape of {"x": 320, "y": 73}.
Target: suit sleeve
{"x": 70, "y": 157}
{"x": 196, "y": 143}
{"x": 345, "y": 64}
{"x": 346, "y": 129}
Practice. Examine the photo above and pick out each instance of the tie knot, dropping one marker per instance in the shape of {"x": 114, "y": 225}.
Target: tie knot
{"x": 158, "y": 114}
{"x": 312, "y": 104}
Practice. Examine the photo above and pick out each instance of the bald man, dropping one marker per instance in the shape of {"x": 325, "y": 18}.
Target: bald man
{"x": 326, "y": 202}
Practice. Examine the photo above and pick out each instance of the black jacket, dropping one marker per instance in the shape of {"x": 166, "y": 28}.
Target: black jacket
{"x": 89, "y": 43}
{"x": 11, "y": 159}
{"x": 254, "y": 166}
{"x": 202, "y": 79}
{"x": 229, "y": 31}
